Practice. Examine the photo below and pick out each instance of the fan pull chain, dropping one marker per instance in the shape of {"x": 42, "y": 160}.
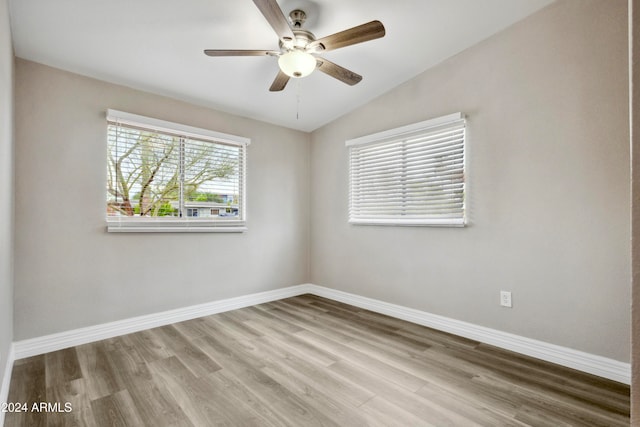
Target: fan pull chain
{"x": 298, "y": 99}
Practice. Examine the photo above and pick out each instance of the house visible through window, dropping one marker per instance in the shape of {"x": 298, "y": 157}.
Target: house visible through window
{"x": 413, "y": 175}
{"x": 164, "y": 176}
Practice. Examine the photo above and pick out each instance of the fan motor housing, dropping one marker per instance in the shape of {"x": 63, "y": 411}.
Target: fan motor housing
{"x": 303, "y": 38}
{"x": 297, "y": 17}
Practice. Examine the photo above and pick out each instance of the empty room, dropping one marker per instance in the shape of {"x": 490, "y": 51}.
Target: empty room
{"x": 319, "y": 212}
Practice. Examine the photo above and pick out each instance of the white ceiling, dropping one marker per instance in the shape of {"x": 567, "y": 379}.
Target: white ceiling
{"x": 156, "y": 45}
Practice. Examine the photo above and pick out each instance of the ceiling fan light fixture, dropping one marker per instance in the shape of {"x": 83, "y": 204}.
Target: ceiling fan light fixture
{"x": 297, "y": 64}
{"x": 298, "y": 46}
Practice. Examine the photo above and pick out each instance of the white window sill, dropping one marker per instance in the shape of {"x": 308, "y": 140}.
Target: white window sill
{"x": 174, "y": 226}
{"x": 410, "y": 223}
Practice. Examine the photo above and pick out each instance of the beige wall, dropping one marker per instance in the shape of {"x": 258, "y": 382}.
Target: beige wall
{"x": 634, "y": 51}
{"x": 70, "y": 273}
{"x": 548, "y": 174}
{"x": 6, "y": 187}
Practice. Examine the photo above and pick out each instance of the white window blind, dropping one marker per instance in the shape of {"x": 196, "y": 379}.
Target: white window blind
{"x": 164, "y": 176}
{"x": 413, "y": 175}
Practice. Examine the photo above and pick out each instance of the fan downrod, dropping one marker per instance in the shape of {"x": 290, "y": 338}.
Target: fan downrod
{"x": 297, "y": 18}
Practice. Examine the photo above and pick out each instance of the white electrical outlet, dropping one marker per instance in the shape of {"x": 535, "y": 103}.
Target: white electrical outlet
{"x": 505, "y": 299}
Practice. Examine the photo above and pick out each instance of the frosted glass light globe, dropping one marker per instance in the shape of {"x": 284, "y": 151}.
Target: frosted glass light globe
{"x": 297, "y": 64}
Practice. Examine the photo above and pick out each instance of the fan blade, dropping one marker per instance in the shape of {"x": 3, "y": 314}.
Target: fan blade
{"x": 229, "y": 52}
{"x": 280, "y": 82}
{"x": 338, "y": 72}
{"x": 276, "y": 19}
{"x": 362, "y": 33}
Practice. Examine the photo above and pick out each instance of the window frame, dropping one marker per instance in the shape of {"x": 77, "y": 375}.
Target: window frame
{"x": 123, "y": 224}
{"x": 400, "y": 134}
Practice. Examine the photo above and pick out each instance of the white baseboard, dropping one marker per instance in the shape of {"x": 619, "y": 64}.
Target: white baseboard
{"x": 593, "y": 364}
{"x": 6, "y": 380}
{"x": 586, "y": 362}
{"x": 58, "y": 341}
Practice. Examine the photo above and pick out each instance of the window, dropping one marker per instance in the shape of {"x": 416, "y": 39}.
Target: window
{"x": 413, "y": 175}
{"x": 160, "y": 174}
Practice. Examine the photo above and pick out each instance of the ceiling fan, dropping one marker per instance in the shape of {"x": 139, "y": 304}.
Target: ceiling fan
{"x": 297, "y": 56}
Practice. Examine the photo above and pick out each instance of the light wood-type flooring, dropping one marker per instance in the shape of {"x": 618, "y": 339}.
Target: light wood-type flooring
{"x": 306, "y": 361}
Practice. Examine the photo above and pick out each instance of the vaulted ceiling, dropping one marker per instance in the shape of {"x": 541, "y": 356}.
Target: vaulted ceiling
{"x": 157, "y": 46}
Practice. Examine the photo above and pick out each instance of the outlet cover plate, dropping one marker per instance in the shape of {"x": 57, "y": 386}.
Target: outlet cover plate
{"x": 505, "y": 299}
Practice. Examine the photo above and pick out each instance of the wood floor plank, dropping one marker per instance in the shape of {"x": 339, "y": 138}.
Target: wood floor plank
{"x": 62, "y": 366}
{"x": 317, "y": 377}
{"x": 178, "y": 344}
{"x": 351, "y": 331}
{"x": 101, "y": 380}
{"x": 380, "y": 412}
{"x": 192, "y": 329}
{"x": 244, "y": 397}
{"x": 314, "y": 322}
{"x": 470, "y": 408}
{"x": 240, "y": 328}
{"x": 414, "y": 364}
{"x": 27, "y": 387}
{"x": 310, "y": 352}
{"x": 339, "y": 413}
{"x": 202, "y": 404}
{"x": 495, "y": 400}
{"x": 399, "y": 396}
{"x": 155, "y": 406}
{"x": 306, "y": 361}
{"x": 553, "y": 403}
{"x": 288, "y": 406}
{"x": 580, "y": 385}
{"x": 75, "y": 393}
{"x": 381, "y": 369}
{"x": 533, "y": 382}
{"x": 349, "y": 322}
{"x": 534, "y": 417}
{"x": 309, "y": 390}
{"x": 488, "y": 384}
{"x": 263, "y": 315}
{"x": 148, "y": 345}
{"x": 116, "y": 409}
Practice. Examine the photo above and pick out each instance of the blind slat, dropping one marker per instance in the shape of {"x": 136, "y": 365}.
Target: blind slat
{"x": 401, "y": 151}
{"x": 455, "y": 155}
{"x": 414, "y": 182}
